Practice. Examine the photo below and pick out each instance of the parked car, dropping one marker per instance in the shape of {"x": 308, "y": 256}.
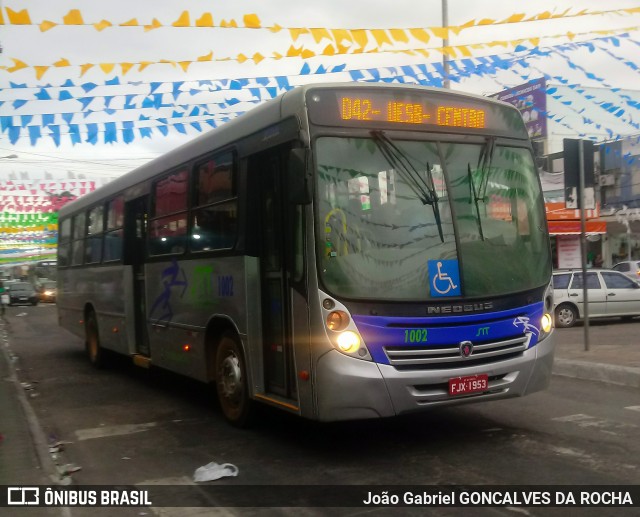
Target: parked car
{"x": 47, "y": 290}
{"x": 22, "y": 293}
{"x": 610, "y": 293}
{"x": 631, "y": 268}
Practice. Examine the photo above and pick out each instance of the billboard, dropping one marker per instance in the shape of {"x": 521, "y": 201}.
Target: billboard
{"x": 531, "y": 100}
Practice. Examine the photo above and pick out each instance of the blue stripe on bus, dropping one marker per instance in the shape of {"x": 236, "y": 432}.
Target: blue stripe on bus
{"x": 422, "y": 332}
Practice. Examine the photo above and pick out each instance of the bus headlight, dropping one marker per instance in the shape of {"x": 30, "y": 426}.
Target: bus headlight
{"x": 546, "y": 325}
{"x": 337, "y": 320}
{"x": 348, "y": 341}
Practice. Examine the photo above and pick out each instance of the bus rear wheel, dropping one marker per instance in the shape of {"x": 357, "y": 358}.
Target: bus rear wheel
{"x": 231, "y": 381}
{"x": 95, "y": 352}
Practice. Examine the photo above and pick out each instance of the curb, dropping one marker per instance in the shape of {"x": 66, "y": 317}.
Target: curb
{"x": 590, "y": 371}
{"x": 37, "y": 434}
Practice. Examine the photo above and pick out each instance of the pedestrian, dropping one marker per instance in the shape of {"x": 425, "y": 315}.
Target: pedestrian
{"x": 597, "y": 262}
{"x": 4, "y": 298}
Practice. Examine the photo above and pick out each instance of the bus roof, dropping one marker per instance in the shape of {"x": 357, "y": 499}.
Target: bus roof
{"x": 289, "y": 104}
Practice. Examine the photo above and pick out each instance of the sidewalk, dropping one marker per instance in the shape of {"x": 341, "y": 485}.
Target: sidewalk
{"x": 613, "y": 355}
{"x": 23, "y": 456}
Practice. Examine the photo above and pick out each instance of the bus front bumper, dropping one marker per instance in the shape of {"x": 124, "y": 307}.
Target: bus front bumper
{"x": 350, "y": 389}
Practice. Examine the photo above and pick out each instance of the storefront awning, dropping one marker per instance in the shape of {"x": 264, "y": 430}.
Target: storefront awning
{"x": 573, "y": 227}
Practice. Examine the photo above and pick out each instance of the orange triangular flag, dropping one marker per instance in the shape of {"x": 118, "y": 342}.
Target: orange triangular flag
{"x": 251, "y": 21}
{"x": 100, "y": 26}
{"x": 183, "y": 21}
{"x": 206, "y": 20}
{"x": 18, "y": 17}
{"x": 73, "y": 17}
{"x": 46, "y": 25}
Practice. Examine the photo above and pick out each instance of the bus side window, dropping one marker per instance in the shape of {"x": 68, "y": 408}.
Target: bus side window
{"x": 215, "y": 217}
{"x": 168, "y": 226}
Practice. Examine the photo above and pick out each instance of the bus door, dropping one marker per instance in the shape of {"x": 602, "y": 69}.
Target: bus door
{"x": 136, "y": 212}
{"x": 277, "y": 223}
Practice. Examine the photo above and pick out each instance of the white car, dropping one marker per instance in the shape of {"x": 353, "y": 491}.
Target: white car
{"x": 610, "y": 293}
{"x": 631, "y": 268}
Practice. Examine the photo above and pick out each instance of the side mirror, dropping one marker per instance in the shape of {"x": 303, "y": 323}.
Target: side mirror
{"x": 299, "y": 178}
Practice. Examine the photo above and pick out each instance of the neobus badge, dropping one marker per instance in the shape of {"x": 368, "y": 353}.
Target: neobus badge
{"x": 466, "y": 348}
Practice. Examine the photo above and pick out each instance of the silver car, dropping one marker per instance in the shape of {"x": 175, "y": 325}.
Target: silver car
{"x": 631, "y": 268}
{"x": 610, "y": 293}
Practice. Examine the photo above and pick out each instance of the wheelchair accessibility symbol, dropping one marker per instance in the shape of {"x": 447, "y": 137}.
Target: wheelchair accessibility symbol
{"x": 444, "y": 277}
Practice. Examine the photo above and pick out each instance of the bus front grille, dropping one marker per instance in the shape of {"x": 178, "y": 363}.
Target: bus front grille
{"x": 449, "y": 357}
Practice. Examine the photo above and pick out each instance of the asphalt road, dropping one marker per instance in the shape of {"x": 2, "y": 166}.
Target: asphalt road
{"x": 128, "y": 426}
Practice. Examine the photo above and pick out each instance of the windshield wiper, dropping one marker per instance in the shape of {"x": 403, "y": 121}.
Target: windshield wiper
{"x": 423, "y": 189}
{"x": 473, "y": 194}
{"x": 486, "y": 157}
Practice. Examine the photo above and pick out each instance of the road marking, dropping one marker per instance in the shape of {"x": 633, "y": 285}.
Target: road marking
{"x": 633, "y": 408}
{"x": 113, "y": 430}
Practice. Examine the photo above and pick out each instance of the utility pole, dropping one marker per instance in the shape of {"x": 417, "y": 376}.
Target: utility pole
{"x": 445, "y": 43}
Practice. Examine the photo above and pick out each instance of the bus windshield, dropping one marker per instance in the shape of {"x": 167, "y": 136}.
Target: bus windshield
{"x": 387, "y": 207}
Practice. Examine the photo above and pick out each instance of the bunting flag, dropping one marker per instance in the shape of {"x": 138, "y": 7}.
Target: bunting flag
{"x": 381, "y": 46}
{"x": 252, "y": 21}
{"x": 159, "y": 112}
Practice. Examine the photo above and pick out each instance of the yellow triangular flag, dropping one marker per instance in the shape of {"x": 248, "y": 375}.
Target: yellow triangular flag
{"x": 544, "y": 16}
{"x": 399, "y": 35}
{"x": 440, "y": 32}
{"x": 183, "y": 21}
{"x": 515, "y": 18}
{"x": 206, "y": 20}
{"x": 206, "y": 57}
{"x": 131, "y": 23}
{"x": 360, "y": 37}
{"x": 155, "y": 24}
{"x": 143, "y": 65}
{"x": 18, "y": 17}
{"x": 241, "y": 58}
{"x": 40, "y": 71}
{"x": 381, "y": 36}
{"x": 306, "y": 53}
{"x": 100, "y": 26}
{"x": 257, "y": 57}
{"x": 251, "y": 21}
{"x": 63, "y": 62}
{"x": 320, "y": 34}
{"x": 293, "y": 51}
{"x": 107, "y": 67}
{"x": 420, "y": 34}
{"x": 73, "y": 17}
{"x": 275, "y": 28}
{"x": 184, "y": 65}
{"x": 296, "y": 32}
{"x": 329, "y": 50}
{"x": 126, "y": 67}
{"x": 46, "y": 25}
{"x": 85, "y": 68}
{"x": 339, "y": 35}
{"x": 486, "y": 21}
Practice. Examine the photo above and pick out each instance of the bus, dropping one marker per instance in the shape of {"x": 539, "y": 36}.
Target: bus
{"x": 343, "y": 251}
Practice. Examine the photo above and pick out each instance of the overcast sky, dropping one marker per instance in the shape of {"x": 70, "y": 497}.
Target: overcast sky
{"x": 83, "y": 44}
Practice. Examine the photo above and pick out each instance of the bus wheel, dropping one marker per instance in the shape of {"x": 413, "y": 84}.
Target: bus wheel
{"x": 566, "y": 316}
{"x": 231, "y": 381}
{"x": 95, "y": 352}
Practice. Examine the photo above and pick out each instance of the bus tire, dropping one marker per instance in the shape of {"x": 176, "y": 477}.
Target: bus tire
{"x": 95, "y": 353}
{"x": 566, "y": 316}
{"x": 231, "y": 381}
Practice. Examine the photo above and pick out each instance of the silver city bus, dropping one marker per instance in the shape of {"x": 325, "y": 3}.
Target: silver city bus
{"x": 343, "y": 251}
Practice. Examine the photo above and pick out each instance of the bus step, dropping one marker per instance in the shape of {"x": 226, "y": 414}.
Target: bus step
{"x": 142, "y": 361}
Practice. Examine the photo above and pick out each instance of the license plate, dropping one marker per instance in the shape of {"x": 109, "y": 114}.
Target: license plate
{"x": 470, "y": 384}
{"x": 23, "y": 299}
